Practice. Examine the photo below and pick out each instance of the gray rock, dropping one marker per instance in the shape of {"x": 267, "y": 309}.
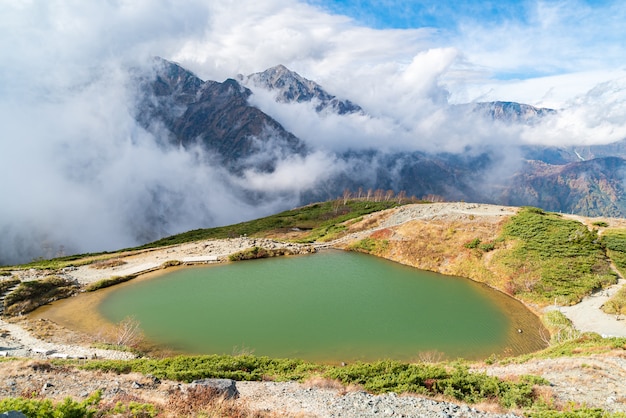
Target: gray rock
{"x": 12, "y": 414}
{"x": 224, "y": 387}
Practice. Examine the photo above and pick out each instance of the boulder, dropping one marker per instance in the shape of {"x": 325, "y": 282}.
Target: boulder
{"x": 12, "y": 414}
{"x": 225, "y": 387}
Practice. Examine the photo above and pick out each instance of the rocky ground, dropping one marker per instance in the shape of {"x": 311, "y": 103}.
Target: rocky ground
{"x": 597, "y": 381}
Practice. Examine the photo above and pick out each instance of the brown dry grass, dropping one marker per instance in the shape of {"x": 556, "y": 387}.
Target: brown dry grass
{"x": 105, "y": 264}
{"x": 205, "y": 401}
{"x": 319, "y": 382}
{"x": 439, "y": 245}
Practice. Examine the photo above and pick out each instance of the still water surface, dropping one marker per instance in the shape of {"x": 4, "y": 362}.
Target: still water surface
{"x": 333, "y": 306}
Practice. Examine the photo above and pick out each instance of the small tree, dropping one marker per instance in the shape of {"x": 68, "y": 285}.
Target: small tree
{"x": 128, "y": 332}
{"x": 347, "y": 194}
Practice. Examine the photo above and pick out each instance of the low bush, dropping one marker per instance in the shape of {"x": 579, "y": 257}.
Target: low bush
{"x": 616, "y": 305}
{"x": 550, "y": 258}
{"x": 8, "y": 283}
{"x": 615, "y": 242}
{"x": 575, "y": 413}
{"x": 189, "y": 368}
{"x": 109, "y": 263}
{"x": 379, "y": 377}
{"x": 45, "y": 408}
{"x": 170, "y": 263}
{"x": 321, "y": 220}
{"x": 259, "y": 252}
{"x": 33, "y": 294}
{"x": 459, "y": 383}
{"x": 472, "y": 244}
{"x": 370, "y": 246}
{"x": 101, "y": 284}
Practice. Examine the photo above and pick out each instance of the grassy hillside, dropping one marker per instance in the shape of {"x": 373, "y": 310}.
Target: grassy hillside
{"x": 315, "y": 222}
{"x": 319, "y": 221}
{"x": 535, "y": 256}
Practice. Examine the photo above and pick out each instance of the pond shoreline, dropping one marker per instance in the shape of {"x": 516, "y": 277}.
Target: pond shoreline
{"x": 217, "y": 251}
{"x": 595, "y": 381}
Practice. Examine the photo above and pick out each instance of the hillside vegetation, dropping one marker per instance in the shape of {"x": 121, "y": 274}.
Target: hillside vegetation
{"x": 315, "y": 222}
{"x": 538, "y": 257}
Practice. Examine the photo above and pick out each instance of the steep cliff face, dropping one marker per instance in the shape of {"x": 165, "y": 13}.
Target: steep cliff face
{"x": 216, "y": 116}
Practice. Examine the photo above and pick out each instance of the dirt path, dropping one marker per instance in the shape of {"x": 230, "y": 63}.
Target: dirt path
{"x": 587, "y": 316}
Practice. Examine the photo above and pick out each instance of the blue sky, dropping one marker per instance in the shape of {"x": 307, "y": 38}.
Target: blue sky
{"x": 563, "y": 36}
{"x": 444, "y": 15}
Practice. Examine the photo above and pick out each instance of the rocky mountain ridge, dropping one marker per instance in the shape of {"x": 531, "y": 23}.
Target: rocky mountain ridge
{"x": 218, "y": 116}
{"x": 215, "y": 115}
{"x": 290, "y": 87}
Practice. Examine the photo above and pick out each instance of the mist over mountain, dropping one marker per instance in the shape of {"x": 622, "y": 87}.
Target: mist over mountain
{"x": 183, "y": 153}
{"x": 222, "y": 119}
{"x": 288, "y": 87}
{"x": 215, "y": 116}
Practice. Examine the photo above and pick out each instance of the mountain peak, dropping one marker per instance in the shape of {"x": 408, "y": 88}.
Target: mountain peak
{"x": 290, "y": 87}
{"x": 512, "y": 111}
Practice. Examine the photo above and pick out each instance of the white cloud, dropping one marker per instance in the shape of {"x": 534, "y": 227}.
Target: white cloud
{"x": 77, "y": 169}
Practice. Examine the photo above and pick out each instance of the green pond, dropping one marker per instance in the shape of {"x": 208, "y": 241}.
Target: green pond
{"x": 333, "y": 306}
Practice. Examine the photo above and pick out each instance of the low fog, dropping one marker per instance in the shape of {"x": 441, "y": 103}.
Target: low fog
{"x": 79, "y": 174}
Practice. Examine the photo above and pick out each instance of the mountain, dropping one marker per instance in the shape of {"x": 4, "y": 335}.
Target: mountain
{"x": 511, "y": 111}
{"x": 593, "y": 188}
{"x": 288, "y": 87}
{"x": 218, "y": 117}
{"x": 215, "y": 115}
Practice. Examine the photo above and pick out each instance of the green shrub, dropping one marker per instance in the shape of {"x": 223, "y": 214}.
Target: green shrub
{"x": 135, "y": 409}
{"x": 101, "y": 284}
{"x": 189, "y": 368}
{"x": 170, "y": 263}
{"x": 259, "y": 252}
{"x": 379, "y": 377}
{"x": 601, "y": 224}
{"x": 32, "y": 294}
{"x": 472, "y": 244}
{"x": 44, "y": 408}
{"x": 575, "y": 413}
{"x": 615, "y": 242}
{"x": 531, "y": 209}
{"x": 564, "y": 259}
{"x": 322, "y": 220}
{"x": 8, "y": 283}
{"x": 369, "y": 245}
